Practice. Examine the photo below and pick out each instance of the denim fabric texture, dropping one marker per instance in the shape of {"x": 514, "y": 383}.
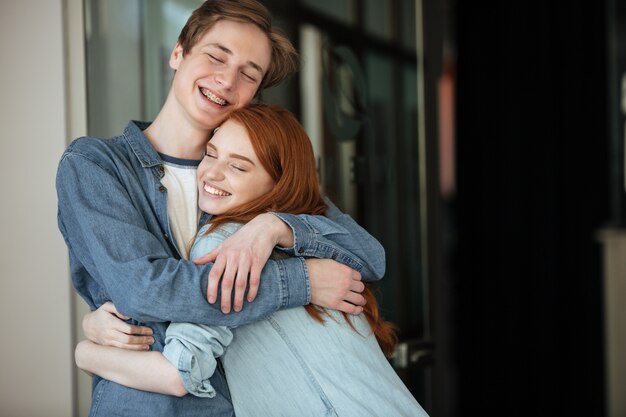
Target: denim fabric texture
{"x": 194, "y": 348}
{"x": 112, "y": 212}
{"x": 289, "y": 364}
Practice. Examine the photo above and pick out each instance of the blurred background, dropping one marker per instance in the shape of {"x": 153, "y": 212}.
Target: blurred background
{"x": 481, "y": 142}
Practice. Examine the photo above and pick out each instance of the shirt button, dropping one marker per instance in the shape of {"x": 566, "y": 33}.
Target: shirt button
{"x": 301, "y": 250}
{"x": 162, "y": 188}
{"x": 161, "y": 168}
{"x": 166, "y": 237}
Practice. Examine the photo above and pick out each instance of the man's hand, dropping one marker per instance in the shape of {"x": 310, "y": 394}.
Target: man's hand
{"x": 241, "y": 255}
{"x": 335, "y": 286}
{"x": 105, "y": 326}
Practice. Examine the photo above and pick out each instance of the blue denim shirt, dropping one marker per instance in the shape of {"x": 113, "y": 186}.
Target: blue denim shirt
{"x": 112, "y": 212}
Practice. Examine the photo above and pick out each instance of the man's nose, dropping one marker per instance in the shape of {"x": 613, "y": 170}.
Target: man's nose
{"x": 227, "y": 78}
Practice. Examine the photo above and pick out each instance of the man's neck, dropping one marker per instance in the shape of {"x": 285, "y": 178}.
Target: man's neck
{"x": 176, "y": 138}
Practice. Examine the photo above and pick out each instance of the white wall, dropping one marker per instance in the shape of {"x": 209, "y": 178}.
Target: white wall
{"x": 614, "y": 253}
{"x": 35, "y": 293}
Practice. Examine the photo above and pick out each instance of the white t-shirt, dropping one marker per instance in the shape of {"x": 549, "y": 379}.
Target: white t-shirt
{"x": 182, "y": 200}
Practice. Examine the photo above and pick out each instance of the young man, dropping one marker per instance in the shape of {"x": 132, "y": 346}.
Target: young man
{"x": 127, "y": 211}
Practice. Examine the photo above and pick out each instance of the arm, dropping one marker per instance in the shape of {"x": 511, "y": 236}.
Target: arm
{"x": 190, "y": 350}
{"x": 332, "y": 284}
{"x": 193, "y": 349}
{"x": 336, "y": 236}
{"x": 112, "y": 244}
{"x": 185, "y": 366}
{"x": 147, "y": 371}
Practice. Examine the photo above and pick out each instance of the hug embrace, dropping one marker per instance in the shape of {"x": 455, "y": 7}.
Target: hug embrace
{"x": 221, "y": 281}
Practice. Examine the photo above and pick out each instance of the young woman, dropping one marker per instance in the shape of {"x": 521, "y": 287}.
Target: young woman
{"x": 303, "y": 361}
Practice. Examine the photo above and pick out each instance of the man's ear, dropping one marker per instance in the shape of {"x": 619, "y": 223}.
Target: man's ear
{"x": 176, "y": 57}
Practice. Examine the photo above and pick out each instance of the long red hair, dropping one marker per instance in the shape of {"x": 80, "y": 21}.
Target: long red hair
{"x": 284, "y": 149}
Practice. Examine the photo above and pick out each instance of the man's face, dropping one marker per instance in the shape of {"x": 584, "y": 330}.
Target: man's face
{"x": 221, "y": 73}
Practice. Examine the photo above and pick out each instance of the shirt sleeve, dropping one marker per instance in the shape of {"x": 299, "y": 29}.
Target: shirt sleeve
{"x": 336, "y": 236}
{"x": 193, "y": 349}
{"x": 112, "y": 245}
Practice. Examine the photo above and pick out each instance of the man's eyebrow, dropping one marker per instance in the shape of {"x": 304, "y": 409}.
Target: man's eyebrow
{"x": 229, "y": 52}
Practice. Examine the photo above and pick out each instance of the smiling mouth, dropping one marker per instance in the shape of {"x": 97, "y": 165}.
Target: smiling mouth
{"x": 215, "y": 191}
{"x": 215, "y": 99}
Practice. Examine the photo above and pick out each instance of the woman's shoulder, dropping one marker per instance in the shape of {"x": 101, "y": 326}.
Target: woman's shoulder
{"x": 206, "y": 242}
{"x": 225, "y": 230}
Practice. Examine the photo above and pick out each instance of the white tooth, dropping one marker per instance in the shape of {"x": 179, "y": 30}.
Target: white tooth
{"x": 213, "y": 97}
{"x": 215, "y": 191}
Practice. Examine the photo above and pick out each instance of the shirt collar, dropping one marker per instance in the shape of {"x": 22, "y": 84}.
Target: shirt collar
{"x": 141, "y": 146}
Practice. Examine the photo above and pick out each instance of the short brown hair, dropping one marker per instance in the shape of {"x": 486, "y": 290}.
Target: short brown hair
{"x": 285, "y": 59}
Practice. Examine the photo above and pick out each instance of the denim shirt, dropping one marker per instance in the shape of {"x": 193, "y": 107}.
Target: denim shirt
{"x": 315, "y": 369}
{"x": 112, "y": 212}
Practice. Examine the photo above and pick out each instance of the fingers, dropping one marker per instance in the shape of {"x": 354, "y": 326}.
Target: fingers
{"x": 254, "y": 281}
{"x": 138, "y": 347}
{"x": 355, "y": 288}
{"x": 240, "y": 285}
{"x": 355, "y": 281}
{"x": 106, "y": 326}
{"x": 349, "y": 302}
{"x": 109, "y": 307}
{"x": 128, "y": 336}
{"x": 241, "y": 258}
{"x": 214, "y": 279}
{"x": 209, "y": 257}
{"x": 131, "y": 329}
{"x": 349, "y": 308}
{"x": 131, "y": 342}
{"x": 227, "y": 286}
{"x": 355, "y": 299}
{"x": 228, "y": 274}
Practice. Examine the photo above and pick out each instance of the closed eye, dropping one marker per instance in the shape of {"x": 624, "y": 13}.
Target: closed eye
{"x": 215, "y": 58}
{"x": 210, "y": 154}
{"x": 249, "y": 77}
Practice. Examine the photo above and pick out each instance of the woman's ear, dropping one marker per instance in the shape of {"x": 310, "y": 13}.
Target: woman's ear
{"x": 176, "y": 57}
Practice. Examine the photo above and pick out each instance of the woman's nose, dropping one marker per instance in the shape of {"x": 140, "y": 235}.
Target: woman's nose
{"x": 214, "y": 172}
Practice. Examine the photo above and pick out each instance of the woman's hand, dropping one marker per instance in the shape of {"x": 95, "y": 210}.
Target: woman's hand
{"x": 241, "y": 255}
{"x": 105, "y": 326}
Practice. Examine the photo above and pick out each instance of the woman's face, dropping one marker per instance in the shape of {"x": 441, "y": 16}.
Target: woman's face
{"x": 230, "y": 173}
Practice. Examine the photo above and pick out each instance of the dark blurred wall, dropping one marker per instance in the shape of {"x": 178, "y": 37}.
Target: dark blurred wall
{"x": 533, "y": 188}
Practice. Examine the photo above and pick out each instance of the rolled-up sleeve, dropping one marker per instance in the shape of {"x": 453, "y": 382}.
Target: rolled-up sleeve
{"x": 193, "y": 349}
